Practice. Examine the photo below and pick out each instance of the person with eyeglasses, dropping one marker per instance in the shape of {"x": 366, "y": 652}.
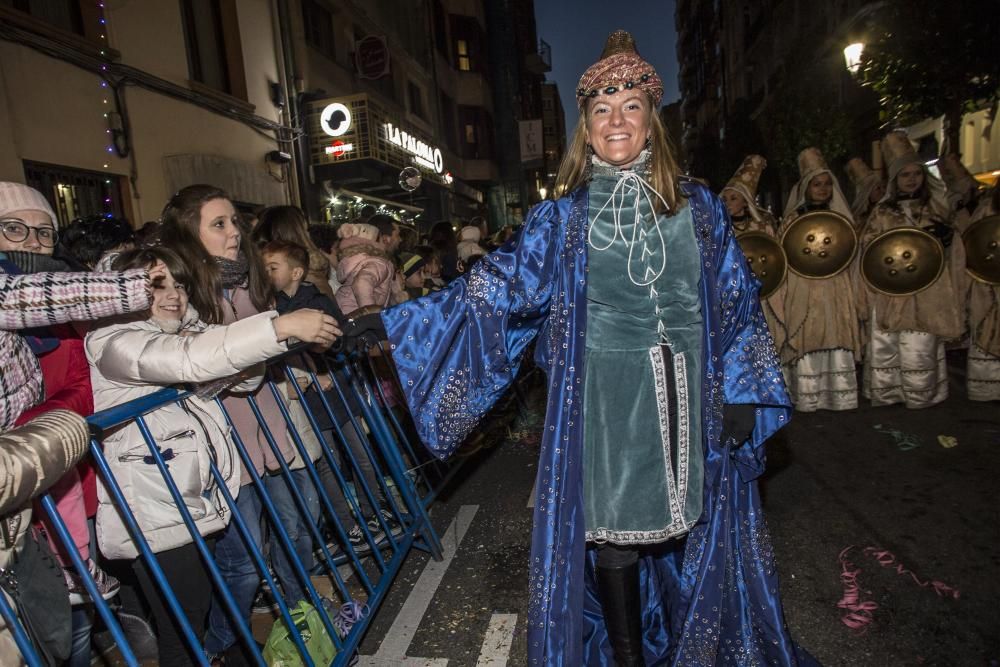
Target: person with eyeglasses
{"x": 45, "y": 369}
{"x": 28, "y": 230}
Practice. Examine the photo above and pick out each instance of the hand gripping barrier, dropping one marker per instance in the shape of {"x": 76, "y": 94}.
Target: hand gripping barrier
{"x": 371, "y": 486}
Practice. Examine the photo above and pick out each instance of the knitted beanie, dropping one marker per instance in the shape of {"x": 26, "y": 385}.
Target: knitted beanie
{"x": 411, "y": 263}
{"x": 20, "y": 197}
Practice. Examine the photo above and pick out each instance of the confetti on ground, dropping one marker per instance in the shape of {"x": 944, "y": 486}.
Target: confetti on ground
{"x": 903, "y": 441}
{"x": 948, "y": 441}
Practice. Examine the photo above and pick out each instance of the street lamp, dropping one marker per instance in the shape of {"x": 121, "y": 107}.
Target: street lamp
{"x": 852, "y": 56}
{"x": 542, "y": 192}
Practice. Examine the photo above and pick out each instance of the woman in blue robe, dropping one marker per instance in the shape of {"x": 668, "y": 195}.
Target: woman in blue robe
{"x": 649, "y": 545}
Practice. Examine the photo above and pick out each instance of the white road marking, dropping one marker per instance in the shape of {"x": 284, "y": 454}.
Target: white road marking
{"x": 404, "y": 627}
{"x": 499, "y": 637}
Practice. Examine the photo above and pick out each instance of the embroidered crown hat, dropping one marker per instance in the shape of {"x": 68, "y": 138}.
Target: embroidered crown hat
{"x": 620, "y": 67}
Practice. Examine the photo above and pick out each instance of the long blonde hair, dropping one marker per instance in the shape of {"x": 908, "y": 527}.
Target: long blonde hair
{"x": 573, "y": 171}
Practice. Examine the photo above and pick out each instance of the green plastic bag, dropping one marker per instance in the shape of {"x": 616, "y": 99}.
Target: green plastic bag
{"x": 280, "y": 649}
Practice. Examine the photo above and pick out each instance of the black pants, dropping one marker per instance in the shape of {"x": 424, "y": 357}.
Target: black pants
{"x": 616, "y": 556}
{"x": 188, "y": 577}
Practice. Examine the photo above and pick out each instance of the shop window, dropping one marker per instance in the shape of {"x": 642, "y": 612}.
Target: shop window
{"x": 318, "y": 23}
{"x": 215, "y": 57}
{"x": 75, "y": 193}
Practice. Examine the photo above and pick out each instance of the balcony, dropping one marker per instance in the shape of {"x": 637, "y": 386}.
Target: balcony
{"x": 541, "y": 61}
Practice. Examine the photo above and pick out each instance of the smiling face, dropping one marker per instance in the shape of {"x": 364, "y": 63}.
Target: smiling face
{"x": 910, "y": 178}
{"x": 618, "y": 126}
{"x": 170, "y": 299}
{"x": 27, "y": 231}
{"x": 820, "y": 189}
{"x": 218, "y": 230}
{"x": 736, "y": 203}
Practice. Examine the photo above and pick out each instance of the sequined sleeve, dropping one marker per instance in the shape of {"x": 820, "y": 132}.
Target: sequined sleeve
{"x": 458, "y": 350}
{"x": 750, "y": 366}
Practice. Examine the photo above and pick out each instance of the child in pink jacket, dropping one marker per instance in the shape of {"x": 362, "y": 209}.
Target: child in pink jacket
{"x": 365, "y": 271}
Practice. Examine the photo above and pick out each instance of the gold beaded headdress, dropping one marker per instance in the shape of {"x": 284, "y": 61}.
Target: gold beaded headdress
{"x": 619, "y": 68}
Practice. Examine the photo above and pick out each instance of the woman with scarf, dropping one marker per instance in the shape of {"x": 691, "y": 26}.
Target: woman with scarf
{"x": 905, "y": 360}
{"x": 648, "y": 546}
{"x": 821, "y": 315}
{"x": 201, "y": 224}
{"x": 740, "y": 198}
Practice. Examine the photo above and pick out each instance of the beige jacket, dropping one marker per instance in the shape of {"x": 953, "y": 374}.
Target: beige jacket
{"x": 129, "y": 360}
{"x": 32, "y": 458}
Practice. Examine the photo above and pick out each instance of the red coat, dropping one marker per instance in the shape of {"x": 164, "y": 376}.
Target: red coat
{"x": 66, "y": 377}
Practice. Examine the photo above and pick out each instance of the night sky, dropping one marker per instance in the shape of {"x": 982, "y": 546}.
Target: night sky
{"x": 577, "y": 30}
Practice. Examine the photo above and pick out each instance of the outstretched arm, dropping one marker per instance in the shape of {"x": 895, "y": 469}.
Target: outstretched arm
{"x": 458, "y": 350}
{"x": 42, "y": 299}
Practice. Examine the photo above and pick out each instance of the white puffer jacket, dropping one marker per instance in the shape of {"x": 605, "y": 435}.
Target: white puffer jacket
{"x": 131, "y": 359}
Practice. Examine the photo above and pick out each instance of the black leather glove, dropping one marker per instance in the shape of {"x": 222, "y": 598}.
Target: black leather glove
{"x": 363, "y": 332}
{"x": 737, "y": 423}
{"x": 943, "y": 231}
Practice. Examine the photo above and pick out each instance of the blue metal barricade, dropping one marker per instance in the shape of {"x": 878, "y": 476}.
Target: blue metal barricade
{"x": 356, "y": 536}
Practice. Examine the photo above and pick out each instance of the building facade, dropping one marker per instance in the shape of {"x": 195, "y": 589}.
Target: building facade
{"x": 402, "y": 85}
{"x": 110, "y": 108}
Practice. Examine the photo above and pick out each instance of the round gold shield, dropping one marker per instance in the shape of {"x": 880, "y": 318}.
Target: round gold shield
{"x": 902, "y": 261}
{"x": 820, "y": 244}
{"x": 766, "y": 260}
{"x": 982, "y": 249}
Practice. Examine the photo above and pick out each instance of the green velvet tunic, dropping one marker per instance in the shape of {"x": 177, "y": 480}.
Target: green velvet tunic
{"x": 643, "y": 461}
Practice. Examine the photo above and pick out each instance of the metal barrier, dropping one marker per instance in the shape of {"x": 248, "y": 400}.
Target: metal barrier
{"x": 358, "y": 575}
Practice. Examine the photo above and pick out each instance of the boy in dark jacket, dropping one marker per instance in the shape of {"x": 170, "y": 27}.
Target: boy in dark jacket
{"x": 286, "y": 264}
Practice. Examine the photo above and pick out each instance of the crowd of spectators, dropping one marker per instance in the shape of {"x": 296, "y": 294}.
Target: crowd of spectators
{"x": 98, "y": 313}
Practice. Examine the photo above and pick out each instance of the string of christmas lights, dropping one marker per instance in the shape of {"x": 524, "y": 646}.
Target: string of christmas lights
{"x": 105, "y": 91}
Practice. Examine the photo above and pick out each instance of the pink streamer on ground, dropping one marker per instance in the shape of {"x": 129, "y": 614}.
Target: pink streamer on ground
{"x": 858, "y": 612}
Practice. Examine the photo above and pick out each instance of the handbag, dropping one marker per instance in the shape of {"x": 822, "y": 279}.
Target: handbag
{"x": 280, "y": 650}
{"x": 34, "y": 582}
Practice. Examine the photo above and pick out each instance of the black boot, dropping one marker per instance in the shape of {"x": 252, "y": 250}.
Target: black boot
{"x": 619, "y": 590}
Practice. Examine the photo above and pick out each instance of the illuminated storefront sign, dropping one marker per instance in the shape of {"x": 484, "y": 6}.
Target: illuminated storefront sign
{"x": 424, "y": 154}
{"x": 338, "y": 148}
{"x": 352, "y": 128}
{"x": 335, "y": 119}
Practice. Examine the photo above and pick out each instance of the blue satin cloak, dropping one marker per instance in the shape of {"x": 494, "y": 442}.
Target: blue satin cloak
{"x": 710, "y": 597}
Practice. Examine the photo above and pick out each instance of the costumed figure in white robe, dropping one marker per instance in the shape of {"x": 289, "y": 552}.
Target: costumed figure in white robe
{"x": 905, "y": 357}
{"x": 983, "y": 370}
{"x": 740, "y": 198}
{"x": 821, "y": 315}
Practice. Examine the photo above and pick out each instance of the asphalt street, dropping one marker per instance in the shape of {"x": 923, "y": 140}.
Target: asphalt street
{"x": 872, "y": 477}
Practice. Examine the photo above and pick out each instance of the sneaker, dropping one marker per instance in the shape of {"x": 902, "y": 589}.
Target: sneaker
{"x": 264, "y": 602}
{"x": 107, "y": 586}
{"x": 394, "y": 526}
{"x": 356, "y": 536}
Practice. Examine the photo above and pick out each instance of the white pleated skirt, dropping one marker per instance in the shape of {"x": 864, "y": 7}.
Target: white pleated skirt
{"x": 983, "y": 375}
{"x": 904, "y": 367}
{"x": 822, "y": 380}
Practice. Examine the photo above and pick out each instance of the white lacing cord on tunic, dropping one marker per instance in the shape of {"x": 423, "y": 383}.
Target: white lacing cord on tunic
{"x": 630, "y": 182}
